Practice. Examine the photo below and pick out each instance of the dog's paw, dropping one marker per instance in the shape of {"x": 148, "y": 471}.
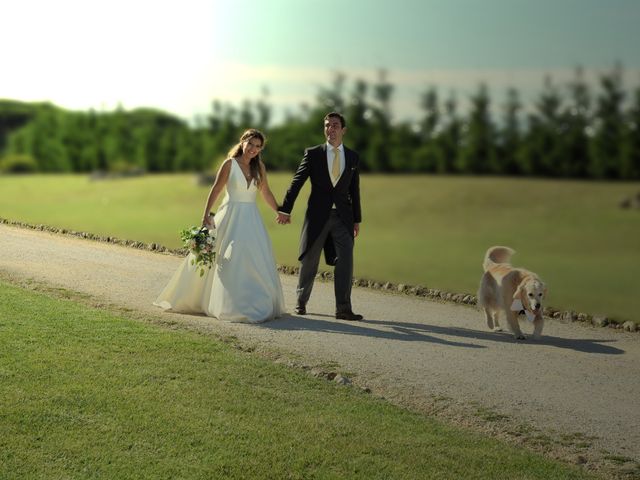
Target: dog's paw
{"x": 498, "y": 329}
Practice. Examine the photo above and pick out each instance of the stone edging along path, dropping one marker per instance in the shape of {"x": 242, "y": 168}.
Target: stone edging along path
{"x": 414, "y": 290}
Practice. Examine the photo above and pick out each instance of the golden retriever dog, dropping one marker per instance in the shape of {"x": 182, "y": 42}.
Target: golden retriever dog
{"x": 510, "y": 290}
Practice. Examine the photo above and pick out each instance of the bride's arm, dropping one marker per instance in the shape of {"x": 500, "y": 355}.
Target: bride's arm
{"x": 265, "y": 190}
{"x": 218, "y": 185}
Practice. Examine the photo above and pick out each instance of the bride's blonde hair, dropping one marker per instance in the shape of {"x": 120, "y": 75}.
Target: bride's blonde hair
{"x": 254, "y": 164}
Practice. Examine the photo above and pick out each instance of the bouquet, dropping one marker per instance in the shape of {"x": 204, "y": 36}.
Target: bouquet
{"x": 201, "y": 242}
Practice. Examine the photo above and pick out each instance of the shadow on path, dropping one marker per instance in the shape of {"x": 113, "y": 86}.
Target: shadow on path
{"x": 295, "y": 322}
{"x": 420, "y": 332}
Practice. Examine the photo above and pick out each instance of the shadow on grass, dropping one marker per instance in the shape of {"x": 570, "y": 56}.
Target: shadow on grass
{"x": 419, "y": 332}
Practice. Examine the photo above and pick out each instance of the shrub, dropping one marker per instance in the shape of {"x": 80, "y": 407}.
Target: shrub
{"x": 18, "y": 163}
{"x": 124, "y": 168}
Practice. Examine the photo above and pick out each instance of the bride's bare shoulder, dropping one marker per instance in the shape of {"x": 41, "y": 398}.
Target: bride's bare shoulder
{"x": 225, "y": 168}
{"x": 226, "y": 165}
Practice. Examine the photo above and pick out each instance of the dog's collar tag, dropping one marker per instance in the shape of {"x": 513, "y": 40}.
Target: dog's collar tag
{"x": 517, "y": 306}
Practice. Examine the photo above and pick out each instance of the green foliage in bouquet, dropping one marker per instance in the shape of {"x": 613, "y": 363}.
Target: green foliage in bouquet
{"x": 201, "y": 243}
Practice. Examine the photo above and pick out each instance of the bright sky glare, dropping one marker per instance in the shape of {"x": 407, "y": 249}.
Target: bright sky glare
{"x": 179, "y": 56}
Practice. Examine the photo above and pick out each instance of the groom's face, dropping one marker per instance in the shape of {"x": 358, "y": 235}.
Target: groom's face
{"x": 333, "y": 131}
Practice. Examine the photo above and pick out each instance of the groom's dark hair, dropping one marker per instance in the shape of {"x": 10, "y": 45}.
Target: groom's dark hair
{"x": 343, "y": 122}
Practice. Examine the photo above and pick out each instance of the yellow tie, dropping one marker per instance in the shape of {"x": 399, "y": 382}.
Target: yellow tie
{"x": 335, "y": 169}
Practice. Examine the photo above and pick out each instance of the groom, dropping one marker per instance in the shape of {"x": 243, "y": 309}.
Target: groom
{"x": 332, "y": 220}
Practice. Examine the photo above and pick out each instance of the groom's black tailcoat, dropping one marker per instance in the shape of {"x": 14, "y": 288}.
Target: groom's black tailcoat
{"x": 345, "y": 195}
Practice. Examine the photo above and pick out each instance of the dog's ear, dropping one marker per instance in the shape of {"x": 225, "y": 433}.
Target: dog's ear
{"x": 518, "y": 291}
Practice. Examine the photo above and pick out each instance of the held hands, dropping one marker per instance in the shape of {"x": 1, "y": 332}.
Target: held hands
{"x": 283, "y": 218}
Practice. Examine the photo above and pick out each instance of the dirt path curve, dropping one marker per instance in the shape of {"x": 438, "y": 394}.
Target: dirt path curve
{"x": 577, "y": 381}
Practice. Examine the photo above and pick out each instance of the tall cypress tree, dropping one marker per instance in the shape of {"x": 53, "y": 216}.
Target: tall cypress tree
{"x": 428, "y": 157}
{"x": 246, "y": 118}
{"x": 450, "y": 137}
{"x": 574, "y": 161}
{"x": 357, "y": 113}
{"x": 510, "y": 136}
{"x": 379, "y": 151}
{"x": 541, "y": 152}
{"x": 263, "y": 110}
{"x": 631, "y": 152}
{"x": 332, "y": 99}
{"x": 606, "y": 145}
{"x": 431, "y": 117}
{"x": 478, "y": 153}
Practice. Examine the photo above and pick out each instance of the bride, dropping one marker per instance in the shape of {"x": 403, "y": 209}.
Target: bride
{"x": 243, "y": 284}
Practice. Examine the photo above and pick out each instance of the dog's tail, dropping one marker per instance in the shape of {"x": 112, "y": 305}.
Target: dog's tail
{"x": 497, "y": 255}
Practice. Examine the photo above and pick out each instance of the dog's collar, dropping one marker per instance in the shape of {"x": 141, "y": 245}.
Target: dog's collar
{"x": 517, "y": 306}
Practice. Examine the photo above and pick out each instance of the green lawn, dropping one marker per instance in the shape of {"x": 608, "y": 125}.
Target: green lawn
{"x": 418, "y": 229}
{"x": 88, "y": 394}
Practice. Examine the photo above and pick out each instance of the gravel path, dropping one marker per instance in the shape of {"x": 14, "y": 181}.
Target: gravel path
{"x": 578, "y": 385}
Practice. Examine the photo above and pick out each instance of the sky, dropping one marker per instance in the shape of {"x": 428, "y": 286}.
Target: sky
{"x": 179, "y": 56}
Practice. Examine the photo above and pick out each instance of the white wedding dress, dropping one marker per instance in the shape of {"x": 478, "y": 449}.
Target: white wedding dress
{"x": 243, "y": 285}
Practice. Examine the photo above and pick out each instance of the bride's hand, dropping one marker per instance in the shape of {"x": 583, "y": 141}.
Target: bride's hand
{"x": 209, "y": 222}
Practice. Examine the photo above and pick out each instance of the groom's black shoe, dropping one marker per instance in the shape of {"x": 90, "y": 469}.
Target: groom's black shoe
{"x": 300, "y": 309}
{"x": 348, "y": 316}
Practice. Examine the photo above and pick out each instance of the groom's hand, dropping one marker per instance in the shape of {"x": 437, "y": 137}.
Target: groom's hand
{"x": 356, "y": 229}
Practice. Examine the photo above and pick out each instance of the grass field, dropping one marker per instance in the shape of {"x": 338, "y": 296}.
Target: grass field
{"x": 426, "y": 230}
{"x": 89, "y": 394}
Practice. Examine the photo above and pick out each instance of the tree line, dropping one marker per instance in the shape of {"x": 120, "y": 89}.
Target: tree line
{"x": 572, "y": 130}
